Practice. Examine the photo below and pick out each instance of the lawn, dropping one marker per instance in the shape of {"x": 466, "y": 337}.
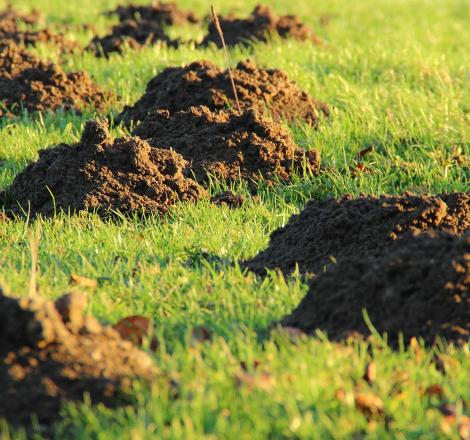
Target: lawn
{"x": 396, "y": 75}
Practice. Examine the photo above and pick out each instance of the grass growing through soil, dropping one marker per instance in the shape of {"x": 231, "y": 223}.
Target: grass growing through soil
{"x": 398, "y": 79}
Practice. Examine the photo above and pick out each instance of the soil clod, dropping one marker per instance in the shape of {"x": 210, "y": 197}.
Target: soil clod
{"x": 228, "y": 198}
{"x": 420, "y": 287}
{"x": 103, "y": 175}
{"x": 228, "y": 145}
{"x": 203, "y": 83}
{"x": 162, "y": 13}
{"x": 27, "y": 83}
{"x": 259, "y": 26}
{"x": 133, "y": 33}
{"x": 331, "y": 230}
{"x": 52, "y": 353}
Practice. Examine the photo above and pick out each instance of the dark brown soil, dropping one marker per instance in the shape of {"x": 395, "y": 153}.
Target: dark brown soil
{"x": 161, "y": 13}
{"x": 228, "y": 145}
{"x": 228, "y": 198}
{"x": 133, "y": 33}
{"x": 101, "y": 174}
{"x": 259, "y": 26}
{"x": 27, "y": 83}
{"x": 50, "y": 353}
{"x": 10, "y": 30}
{"x": 420, "y": 286}
{"x": 203, "y": 83}
{"x": 335, "y": 229}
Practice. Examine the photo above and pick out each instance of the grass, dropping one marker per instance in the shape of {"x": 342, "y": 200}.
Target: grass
{"x": 396, "y": 75}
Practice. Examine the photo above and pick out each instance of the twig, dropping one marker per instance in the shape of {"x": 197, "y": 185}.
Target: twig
{"x": 222, "y": 39}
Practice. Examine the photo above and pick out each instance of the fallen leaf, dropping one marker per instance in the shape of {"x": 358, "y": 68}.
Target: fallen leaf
{"x": 135, "y": 329}
{"x": 260, "y": 381}
{"x": 369, "y": 404}
{"x": 364, "y": 152}
{"x": 435, "y": 390}
{"x": 359, "y": 168}
{"x": 83, "y": 281}
{"x": 370, "y": 373}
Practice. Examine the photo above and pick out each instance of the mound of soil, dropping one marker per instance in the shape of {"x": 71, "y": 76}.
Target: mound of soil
{"x": 161, "y": 13}
{"x": 51, "y": 353}
{"x": 101, "y": 174}
{"x": 259, "y": 26}
{"x": 420, "y": 287}
{"x": 133, "y": 33}
{"x": 228, "y": 145}
{"x": 28, "y": 83}
{"x": 203, "y": 83}
{"x": 335, "y": 229}
{"x": 10, "y": 31}
{"x": 227, "y": 198}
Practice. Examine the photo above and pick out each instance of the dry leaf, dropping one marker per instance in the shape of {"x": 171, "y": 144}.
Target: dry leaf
{"x": 370, "y": 374}
{"x": 369, "y": 404}
{"x": 260, "y": 381}
{"x": 364, "y": 152}
{"x": 434, "y": 390}
{"x": 135, "y": 329}
{"x": 83, "y": 281}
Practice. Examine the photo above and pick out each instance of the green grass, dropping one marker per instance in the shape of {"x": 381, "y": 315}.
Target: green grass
{"x": 397, "y": 76}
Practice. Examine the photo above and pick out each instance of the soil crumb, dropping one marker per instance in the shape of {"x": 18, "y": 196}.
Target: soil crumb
{"x": 132, "y": 33}
{"x": 27, "y": 83}
{"x": 203, "y": 83}
{"x": 335, "y": 229}
{"x": 259, "y": 26}
{"x": 12, "y": 25}
{"x": 228, "y": 145}
{"x": 103, "y": 175}
{"x": 228, "y": 198}
{"x": 420, "y": 287}
{"x": 168, "y": 14}
{"x": 51, "y": 353}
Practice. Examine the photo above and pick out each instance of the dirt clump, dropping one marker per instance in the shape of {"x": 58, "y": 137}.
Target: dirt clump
{"x": 228, "y": 198}
{"x": 11, "y": 30}
{"x": 51, "y": 353}
{"x": 259, "y": 26}
{"x": 132, "y": 33}
{"x": 420, "y": 287}
{"x": 27, "y": 83}
{"x": 104, "y": 175}
{"x": 228, "y": 145}
{"x": 162, "y": 13}
{"x": 203, "y": 83}
{"x": 331, "y": 230}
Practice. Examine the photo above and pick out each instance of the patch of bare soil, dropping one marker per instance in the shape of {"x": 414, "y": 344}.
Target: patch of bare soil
{"x": 51, "y": 353}
{"x": 419, "y": 287}
{"x": 336, "y": 229}
{"x": 162, "y": 13}
{"x": 10, "y": 30}
{"x": 203, "y": 83}
{"x": 27, "y": 83}
{"x": 259, "y": 26}
{"x": 132, "y": 33}
{"x": 228, "y": 145}
{"x": 228, "y": 198}
{"x": 101, "y": 174}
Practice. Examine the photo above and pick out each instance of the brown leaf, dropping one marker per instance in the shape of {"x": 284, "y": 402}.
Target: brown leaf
{"x": 359, "y": 168}
{"x": 83, "y": 281}
{"x": 135, "y": 329}
{"x": 370, "y": 373}
{"x": 369, "y": 404}
{"x": 260, "y": 381}
{"x": 364, "y": 152}
{"x": 435, "y": 390}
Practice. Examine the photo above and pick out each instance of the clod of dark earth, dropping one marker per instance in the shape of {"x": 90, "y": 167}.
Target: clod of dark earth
{"x": 419, "y": 287}
{"x": 133, "y": 33}
{"x": 10, "y": 31}
{"x": 203, "y": 83}
{"x": 104, "y": 175}
{"x": 228, "y": 198}
{"x": 259, "y": 26}
{"x": 161, "y": 13}
{"x": 335, "y": 229}
{"x": 228, "y": 145}
{"x": 27, "y": 83}
{"x": 51, "y": 353}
